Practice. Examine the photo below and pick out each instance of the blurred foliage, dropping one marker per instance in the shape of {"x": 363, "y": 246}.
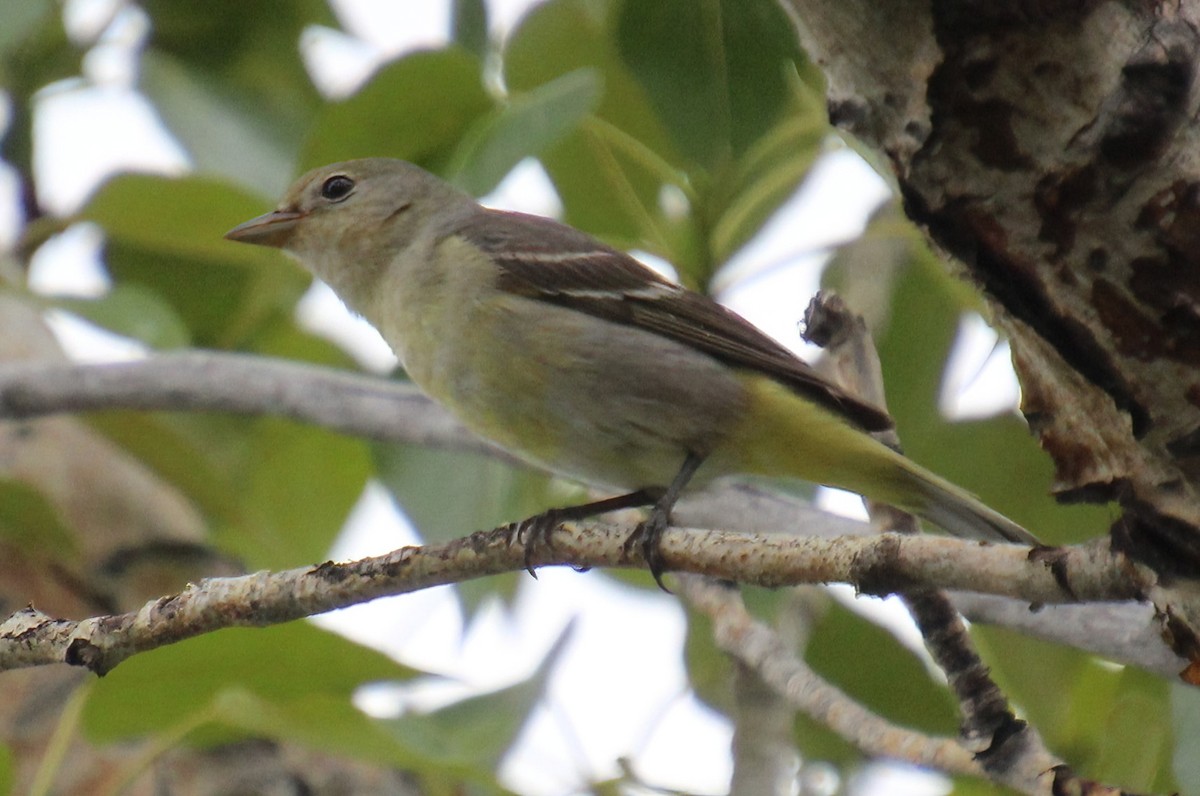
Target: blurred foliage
{"x": 29, "y": 522}
{"x": 915, "y": 307}
{"x": 230, "y": 84}
{"x": 234, "y": 658}
{"x": 475, "y": 733}
{"x": 1111, "y": 722}
{"x": 442, "y": 94}
{"x": 674, "y": 127}
{"x": 864, "y": 660}
{"x": 486, "y": 493}
{"x": 34, "y": 52}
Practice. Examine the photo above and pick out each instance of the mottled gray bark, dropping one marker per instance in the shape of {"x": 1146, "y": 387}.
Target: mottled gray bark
{"x": 1051, "y": 149}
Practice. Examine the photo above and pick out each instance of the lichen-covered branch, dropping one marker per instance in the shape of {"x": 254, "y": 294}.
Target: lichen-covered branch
{"x": 874, "y": 564}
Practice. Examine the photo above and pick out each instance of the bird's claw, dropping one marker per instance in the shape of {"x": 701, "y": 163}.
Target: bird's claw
{"x": 534, "y": 531}
{"x": 648, "y": 536}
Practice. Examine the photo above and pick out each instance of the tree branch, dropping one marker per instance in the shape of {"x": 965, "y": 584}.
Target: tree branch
{"x": 1122, "y": 632}
{"x": 1006, "y": 747}
{"x": 1001, "y": 747}
{"x": 354, "y": 404}
{"x": 1036, "y": 771}
{"x": 386, "y": 410}
{"x": 877, "y": 565}
{"x": 756, "y": 646}
{"x": 1051, "y": 149}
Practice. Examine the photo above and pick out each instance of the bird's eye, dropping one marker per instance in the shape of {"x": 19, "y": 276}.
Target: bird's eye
{"x": 337, "y": 188}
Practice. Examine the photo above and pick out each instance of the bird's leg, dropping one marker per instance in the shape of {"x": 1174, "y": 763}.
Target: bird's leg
{"x": 649, "y": 531}
{"x": 537, "y": 529}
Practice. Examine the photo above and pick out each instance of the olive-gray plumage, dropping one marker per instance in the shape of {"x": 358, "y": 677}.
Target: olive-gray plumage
{"x": 578, "y": 358}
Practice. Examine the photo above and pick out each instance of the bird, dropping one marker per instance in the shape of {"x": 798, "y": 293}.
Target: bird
{"x": 580, "y": 360}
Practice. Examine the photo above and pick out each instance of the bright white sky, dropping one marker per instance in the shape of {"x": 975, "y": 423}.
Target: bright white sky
{"x": 620, "y": 689}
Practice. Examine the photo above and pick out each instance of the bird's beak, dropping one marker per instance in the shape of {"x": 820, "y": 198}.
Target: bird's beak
{"x": 269, "y": 229}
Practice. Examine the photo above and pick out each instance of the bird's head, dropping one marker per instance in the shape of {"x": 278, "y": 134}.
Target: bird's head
{"x": 346, "y": 221}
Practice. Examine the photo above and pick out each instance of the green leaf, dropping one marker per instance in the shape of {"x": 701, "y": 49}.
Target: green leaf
{"x": 264, "y": 683}
{"x": 276, "y": 492}
{"x": 716, "y": 70}
{"x": 283, "y": 339}
{"x": 1135, "y": 743}
{"x": 416, "y": 108}
{"x": 766, "y": 177}
{"x": 562, "y": 36}
{"x": 230, "y": 694}
{"x": 208, "y": 116}
{"x": 610, "y": 172}
{"x": 1109, "y": 721}
{"x": 181, "y": 449}
{"x": 447, "y": 495}
{"x": 222, "y": 302}
{"x": 295, "y": 487}
{"x": 232, "y": 85}
{"x": 158, "y": 690}
{"x": 34, "y": 52}
{"x": 817, "y": 742}
{"x": 184, "y": 214}
{"x": 32, "y": 524}
{"x": 705, "y": 125}
{"x": 330, "y": 724}
{"x": 248, "y": 49}
{"x": 134, "y": 311}
{"x": 1185, "y": 721}
{"x": 478, "y": 731}
{"x": 522, "y": 128}
{"x": 709, "y": 669}
{"x": 323, "y": 722}
{"x": 909, "y": 292}
{"x": 167, "y": 235}
{"x": 469, "y": 22}
{"x": 20, "y": 20}
{"x": 1063, "y": 692}
{"x": 996, "y": 458}
{"x": 869, "y": 663}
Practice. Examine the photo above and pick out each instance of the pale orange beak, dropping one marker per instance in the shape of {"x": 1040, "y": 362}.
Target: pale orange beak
{"x": 269, "y": 229}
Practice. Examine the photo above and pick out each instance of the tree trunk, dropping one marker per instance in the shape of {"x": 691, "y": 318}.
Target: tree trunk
{"x": 1049, "y": 147}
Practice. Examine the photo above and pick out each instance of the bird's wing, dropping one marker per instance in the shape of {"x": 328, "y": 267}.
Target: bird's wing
{"x": 545, "y": 260}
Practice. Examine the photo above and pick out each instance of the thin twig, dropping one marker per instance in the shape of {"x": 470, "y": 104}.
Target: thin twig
{"x": 758, "y": 647}
{"x": 1008, "y": 749}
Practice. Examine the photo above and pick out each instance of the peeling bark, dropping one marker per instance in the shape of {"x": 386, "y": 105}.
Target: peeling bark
{"x": 1051, "y": 148}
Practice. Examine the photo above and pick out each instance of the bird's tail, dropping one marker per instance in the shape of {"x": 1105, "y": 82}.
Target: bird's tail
{"x": 806, "y": 441}
{"x": 958, "y": 512}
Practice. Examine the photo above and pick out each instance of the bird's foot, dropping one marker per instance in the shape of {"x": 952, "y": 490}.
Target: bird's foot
{"x": 648, "y": 535}
{"x": 537, "y": 529}
{"x": 534, "y": 531}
